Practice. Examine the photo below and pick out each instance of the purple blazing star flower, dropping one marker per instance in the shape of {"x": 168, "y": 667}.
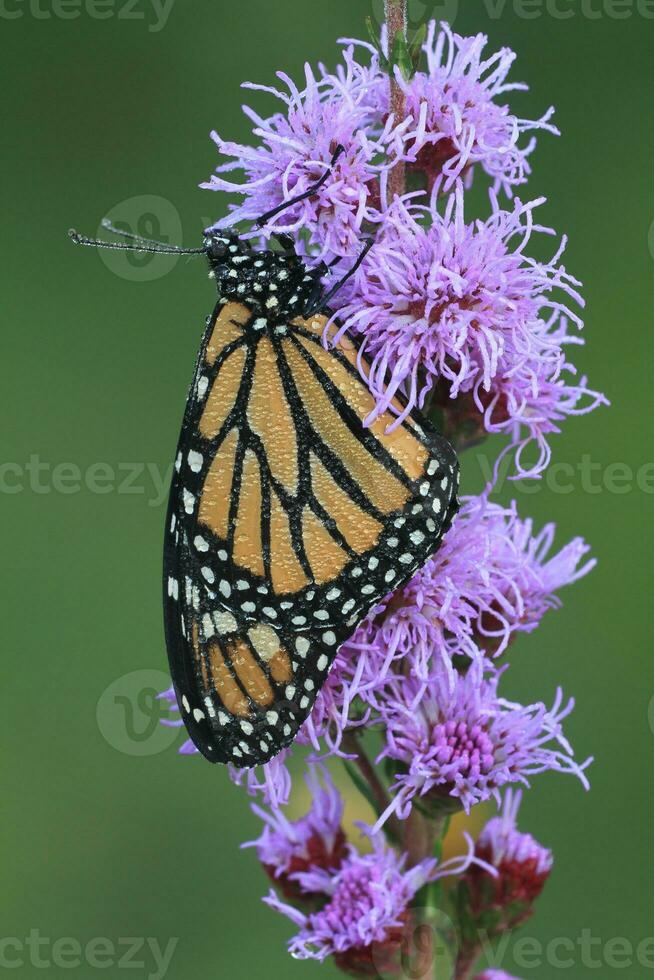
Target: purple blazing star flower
{"x": 530, "y": 411}
{"x": 461, "y": 308}
{"x": 272, "y": 782}
{"x": 522, "y": 863}
{"x": 456, "y": 116}
{"x": 493, "y": 577}
{"x": 454, "y": 121}
{"x": 295, "y": 151}
{"x": 454, "y": 738}
{"x": 367, "y": 906}
{"x": 288, "y": 848}
{"x": 459, "y": 120}
{"x": 454, "y": 299}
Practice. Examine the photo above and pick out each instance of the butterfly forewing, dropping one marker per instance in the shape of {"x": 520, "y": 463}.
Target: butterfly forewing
{"x": 288, "y": 520}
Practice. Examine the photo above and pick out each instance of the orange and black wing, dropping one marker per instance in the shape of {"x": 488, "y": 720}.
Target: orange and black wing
{"x": 288, "y": 521}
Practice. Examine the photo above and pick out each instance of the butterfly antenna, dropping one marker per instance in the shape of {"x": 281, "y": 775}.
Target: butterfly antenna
{"x": 322, "y": 301}
{"x": 140, "y": 245}
{"x": 340, "y": 150}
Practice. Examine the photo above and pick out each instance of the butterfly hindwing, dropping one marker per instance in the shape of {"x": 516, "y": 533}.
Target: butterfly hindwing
{"x": 288, "y": 521}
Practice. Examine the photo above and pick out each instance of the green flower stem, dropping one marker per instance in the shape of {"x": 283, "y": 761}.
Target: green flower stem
{"x": 466, "y": 961}
{"x": 396, "y": 18}
{"x": 352, "y": 745}
{"x": 423, "y": 838}
{"x": 421, "y": 835}
{"x": 396, "y": 22}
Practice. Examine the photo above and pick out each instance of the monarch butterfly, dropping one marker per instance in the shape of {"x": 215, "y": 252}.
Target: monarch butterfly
{"x": 288, "y": 519}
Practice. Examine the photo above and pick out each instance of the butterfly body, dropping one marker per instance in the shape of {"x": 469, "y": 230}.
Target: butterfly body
{"x": 274, "y": 285}
{"x": 288, "y": 518}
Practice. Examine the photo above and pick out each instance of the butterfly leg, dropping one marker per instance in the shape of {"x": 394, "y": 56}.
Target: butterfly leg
{"x": 320, "y": 299}
{"x": 265, "y": 218}
{"x": 287, "y": 242}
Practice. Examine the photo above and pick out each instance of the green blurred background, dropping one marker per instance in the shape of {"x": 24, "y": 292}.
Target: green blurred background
{"x": 107, "y": 102}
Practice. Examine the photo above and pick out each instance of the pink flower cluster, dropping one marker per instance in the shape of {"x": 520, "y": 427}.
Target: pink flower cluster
{"x": 446, "y": 309}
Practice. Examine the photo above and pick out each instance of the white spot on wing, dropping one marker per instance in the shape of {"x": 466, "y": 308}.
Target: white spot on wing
{"x": 225, "y": 622}
{"x": 195, "y": 461}
{"x": 264, "y": 640}
{"x": 302, "y": 646}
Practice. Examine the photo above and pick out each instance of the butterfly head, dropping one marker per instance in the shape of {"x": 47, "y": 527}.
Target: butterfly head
{"x": 274, "y": 284}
